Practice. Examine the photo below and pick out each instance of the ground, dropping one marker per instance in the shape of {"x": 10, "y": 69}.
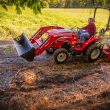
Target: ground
{"x": 44, "y": 85}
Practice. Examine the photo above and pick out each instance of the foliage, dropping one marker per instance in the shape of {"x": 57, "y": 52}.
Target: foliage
{"x": 35, "y": 5}
{"x": 79, "y": 3}
{"x": 54, "y": 3}
{"x": 45, "y": 4}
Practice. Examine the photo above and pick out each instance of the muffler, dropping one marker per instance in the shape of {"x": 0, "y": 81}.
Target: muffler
{"x": 24, "y": 47}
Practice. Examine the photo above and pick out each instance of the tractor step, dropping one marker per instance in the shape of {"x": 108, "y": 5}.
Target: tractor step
{"x": 24, "y": 47}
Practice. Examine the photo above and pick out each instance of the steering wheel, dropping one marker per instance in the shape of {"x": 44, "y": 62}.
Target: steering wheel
{"x": 79, "y": 29}
{"x": 73, "y": 28}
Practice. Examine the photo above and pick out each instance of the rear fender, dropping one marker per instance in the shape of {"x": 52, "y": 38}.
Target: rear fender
{"x": 90, "y": 41}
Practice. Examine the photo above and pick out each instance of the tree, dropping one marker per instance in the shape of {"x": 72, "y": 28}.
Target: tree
{"x": 107, "y": 3}
{"x": 45, "y": 4}
{"x": 67, "y": 4}
{"x": 35, "y": 5}
{"x": 54, "y": 3}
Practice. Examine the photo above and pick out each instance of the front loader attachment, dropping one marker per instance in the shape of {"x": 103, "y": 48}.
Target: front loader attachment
{"x": 24, "y": 47}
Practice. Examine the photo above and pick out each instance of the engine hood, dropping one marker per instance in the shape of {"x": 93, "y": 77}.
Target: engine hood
{"x": 61, "y": 32}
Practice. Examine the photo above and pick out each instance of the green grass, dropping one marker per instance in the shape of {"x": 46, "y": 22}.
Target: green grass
{"x": 12, "y": 24}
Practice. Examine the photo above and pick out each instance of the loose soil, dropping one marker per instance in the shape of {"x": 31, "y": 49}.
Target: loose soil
{"x": 44, "y": 85}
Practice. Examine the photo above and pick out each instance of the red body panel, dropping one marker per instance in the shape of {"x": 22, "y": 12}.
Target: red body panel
{"x": 43, "y": 30}
{"x": 56, "y": 42}
{"x": 91, "y": 40}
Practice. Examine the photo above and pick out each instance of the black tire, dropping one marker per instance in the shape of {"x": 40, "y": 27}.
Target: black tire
{"x": 50, "y": 50}
{"x": 60, "y": 55}
{"x": 90, "y": 51}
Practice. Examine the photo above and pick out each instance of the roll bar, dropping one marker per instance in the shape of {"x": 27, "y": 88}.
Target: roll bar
{"x": 106, "y": 8}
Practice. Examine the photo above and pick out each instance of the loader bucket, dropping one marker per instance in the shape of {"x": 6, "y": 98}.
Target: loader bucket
{"x": 24, "y": 47}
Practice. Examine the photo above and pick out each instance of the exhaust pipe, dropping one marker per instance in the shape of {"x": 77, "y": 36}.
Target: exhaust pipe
{"x": 24, "y": 47}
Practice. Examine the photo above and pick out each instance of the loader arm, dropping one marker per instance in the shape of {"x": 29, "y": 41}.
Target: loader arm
{"x": 45, "y": 45}
{"x": 41, "y": 31}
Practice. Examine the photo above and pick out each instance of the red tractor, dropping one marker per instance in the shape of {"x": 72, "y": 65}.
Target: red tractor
{"x": 60, "y": 42}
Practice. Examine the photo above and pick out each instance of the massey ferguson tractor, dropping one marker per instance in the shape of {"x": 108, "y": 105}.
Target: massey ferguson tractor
{"x": 60, "y": 42}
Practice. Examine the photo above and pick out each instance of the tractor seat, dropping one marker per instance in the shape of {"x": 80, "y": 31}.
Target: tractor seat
{"x": 87, "y": 37}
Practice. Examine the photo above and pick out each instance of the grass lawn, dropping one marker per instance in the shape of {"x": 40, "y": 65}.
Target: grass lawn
{"x": 12, "y": 24}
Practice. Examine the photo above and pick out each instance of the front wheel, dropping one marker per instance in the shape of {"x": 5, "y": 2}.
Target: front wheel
{"x": 60, "y": 55}
{"x": 93, "y": 53}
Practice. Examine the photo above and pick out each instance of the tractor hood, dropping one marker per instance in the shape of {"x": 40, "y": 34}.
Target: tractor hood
{"x": 61, "y": 32}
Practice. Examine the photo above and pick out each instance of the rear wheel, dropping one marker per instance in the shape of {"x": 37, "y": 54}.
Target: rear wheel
{"x": 93, "y": 53}
{"x": 60, "y": 55}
